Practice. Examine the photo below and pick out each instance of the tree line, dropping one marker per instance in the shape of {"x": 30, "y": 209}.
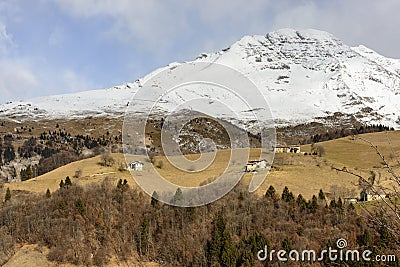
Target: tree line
{"x": 92, "y": 224}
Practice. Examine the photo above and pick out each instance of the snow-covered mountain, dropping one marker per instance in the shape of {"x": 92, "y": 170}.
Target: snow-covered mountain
{"x": 304, "y": 74}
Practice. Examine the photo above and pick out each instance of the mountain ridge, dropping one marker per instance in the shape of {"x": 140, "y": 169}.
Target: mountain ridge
{"x": 305, "y": 75}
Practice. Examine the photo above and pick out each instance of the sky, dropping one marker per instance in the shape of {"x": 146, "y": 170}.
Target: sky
{"x": 52, "y": 47}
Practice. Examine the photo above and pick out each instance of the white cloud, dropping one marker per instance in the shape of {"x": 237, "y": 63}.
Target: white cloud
{"x": 5, "y": 40}
{"x": 162, "y": 31}
{"x": 17, "y": 80}
{"x": 160, "y": 26}
{"x": 372, "y": 23}
{"x": 16, "y": 76}
{"x": 24, "y": 77}
{"x": 151, "y": 24}
{"x": 20, "y": 80}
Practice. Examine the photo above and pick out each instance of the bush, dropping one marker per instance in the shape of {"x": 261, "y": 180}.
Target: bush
{"x": 318, "y": 150}
{"x": 107, "y": 160}
{"x": 160, "y": 164}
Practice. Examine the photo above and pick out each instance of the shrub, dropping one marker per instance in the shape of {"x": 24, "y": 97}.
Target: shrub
{"x": 107, "y": 160}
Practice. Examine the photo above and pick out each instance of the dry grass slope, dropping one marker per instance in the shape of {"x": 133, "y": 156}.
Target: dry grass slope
{"x": 302, "y": 174}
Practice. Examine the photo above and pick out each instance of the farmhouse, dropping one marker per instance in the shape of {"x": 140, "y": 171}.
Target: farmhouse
{"x": 252, "y": 165}
{"x": 281, "y": 149}
{"x": 136, "y": 166}
{"x": 370, "y": 195}
{"x": 287, "y": 149}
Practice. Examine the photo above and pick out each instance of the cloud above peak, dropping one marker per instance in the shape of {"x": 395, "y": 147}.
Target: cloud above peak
{"x": 102, "y": 43}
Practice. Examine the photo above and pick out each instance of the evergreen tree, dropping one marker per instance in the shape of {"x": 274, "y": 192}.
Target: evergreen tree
{"x": 26, "y": 174}
{"x": 178, "y": 197}
{"x": 332, "y": 204}
{"x": 301, "y": 202}
{"x": 221, "y": 250}
{"x": 48, "y": 193}
{"x": 287, "y": 195}
{"x": 314, "y": 204}
{"x": 144, "y": 236}
{"x": 29, "y": 172}
{"x": 80, "y": 206}
{"x": 321, "y": 195}
{"x": 154, "y": 199}
{"x": 8, "y": 195}
{"x": 122, "y": 185}
{"x": 9, "y": 154}
{"x": 339, "y": 204}
{"x": 62, "y": 184}
{"x": 270, "y": 192}
{"x": 287, "y": 244}
{"x": 68, "y": 182}
{"x": 119, "y": 184}
{"x": 385, "y": 236}
{"x": 365, "y": 239}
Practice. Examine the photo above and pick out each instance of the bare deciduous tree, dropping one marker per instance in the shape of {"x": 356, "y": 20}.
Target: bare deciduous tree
{"x": 386, "y": 212}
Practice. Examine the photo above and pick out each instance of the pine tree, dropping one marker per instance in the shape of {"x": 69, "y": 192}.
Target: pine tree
{"x": 178, "y": 197}
{"x": 68, "y": 182}
{"x": 287, "y": 244}
{"x": 119, "y": 184}
{"x": 339, "y": 204}
{"x": 241, "y": 196}
{"x": 385, "y": 236}
{"x": 29, "y": 173}
{"x": 221, "y": 249}
{"x": 8, "y": 195}
{"x": 9, "y": 154}
{"x": 365, "y": 239}
{"x": 26, "y": 174}
{"x": 314, "y": 204}
{"x": 321, "y": 195}
{"x": 122, "y": 186}
{"x": 62, "y": 184}
{"x": 270, "y": 192}
{"x": 154, "y": 199}
{"x": 80, "y": 206}
{"x": 144, "y": 236}
{"x": 301, "y": 202}
{"x": 332, "y": 205}
{"x": 285, "y": 194}
{"x": 48, "y": 193}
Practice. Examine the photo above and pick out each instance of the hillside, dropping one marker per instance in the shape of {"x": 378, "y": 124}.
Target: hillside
{"x": 92, "y": 172}
{"x": 304, "y": 174}
{"x": 36, "y": 255}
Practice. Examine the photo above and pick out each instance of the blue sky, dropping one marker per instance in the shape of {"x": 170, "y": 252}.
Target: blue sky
{"x": 61, "y": 46}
